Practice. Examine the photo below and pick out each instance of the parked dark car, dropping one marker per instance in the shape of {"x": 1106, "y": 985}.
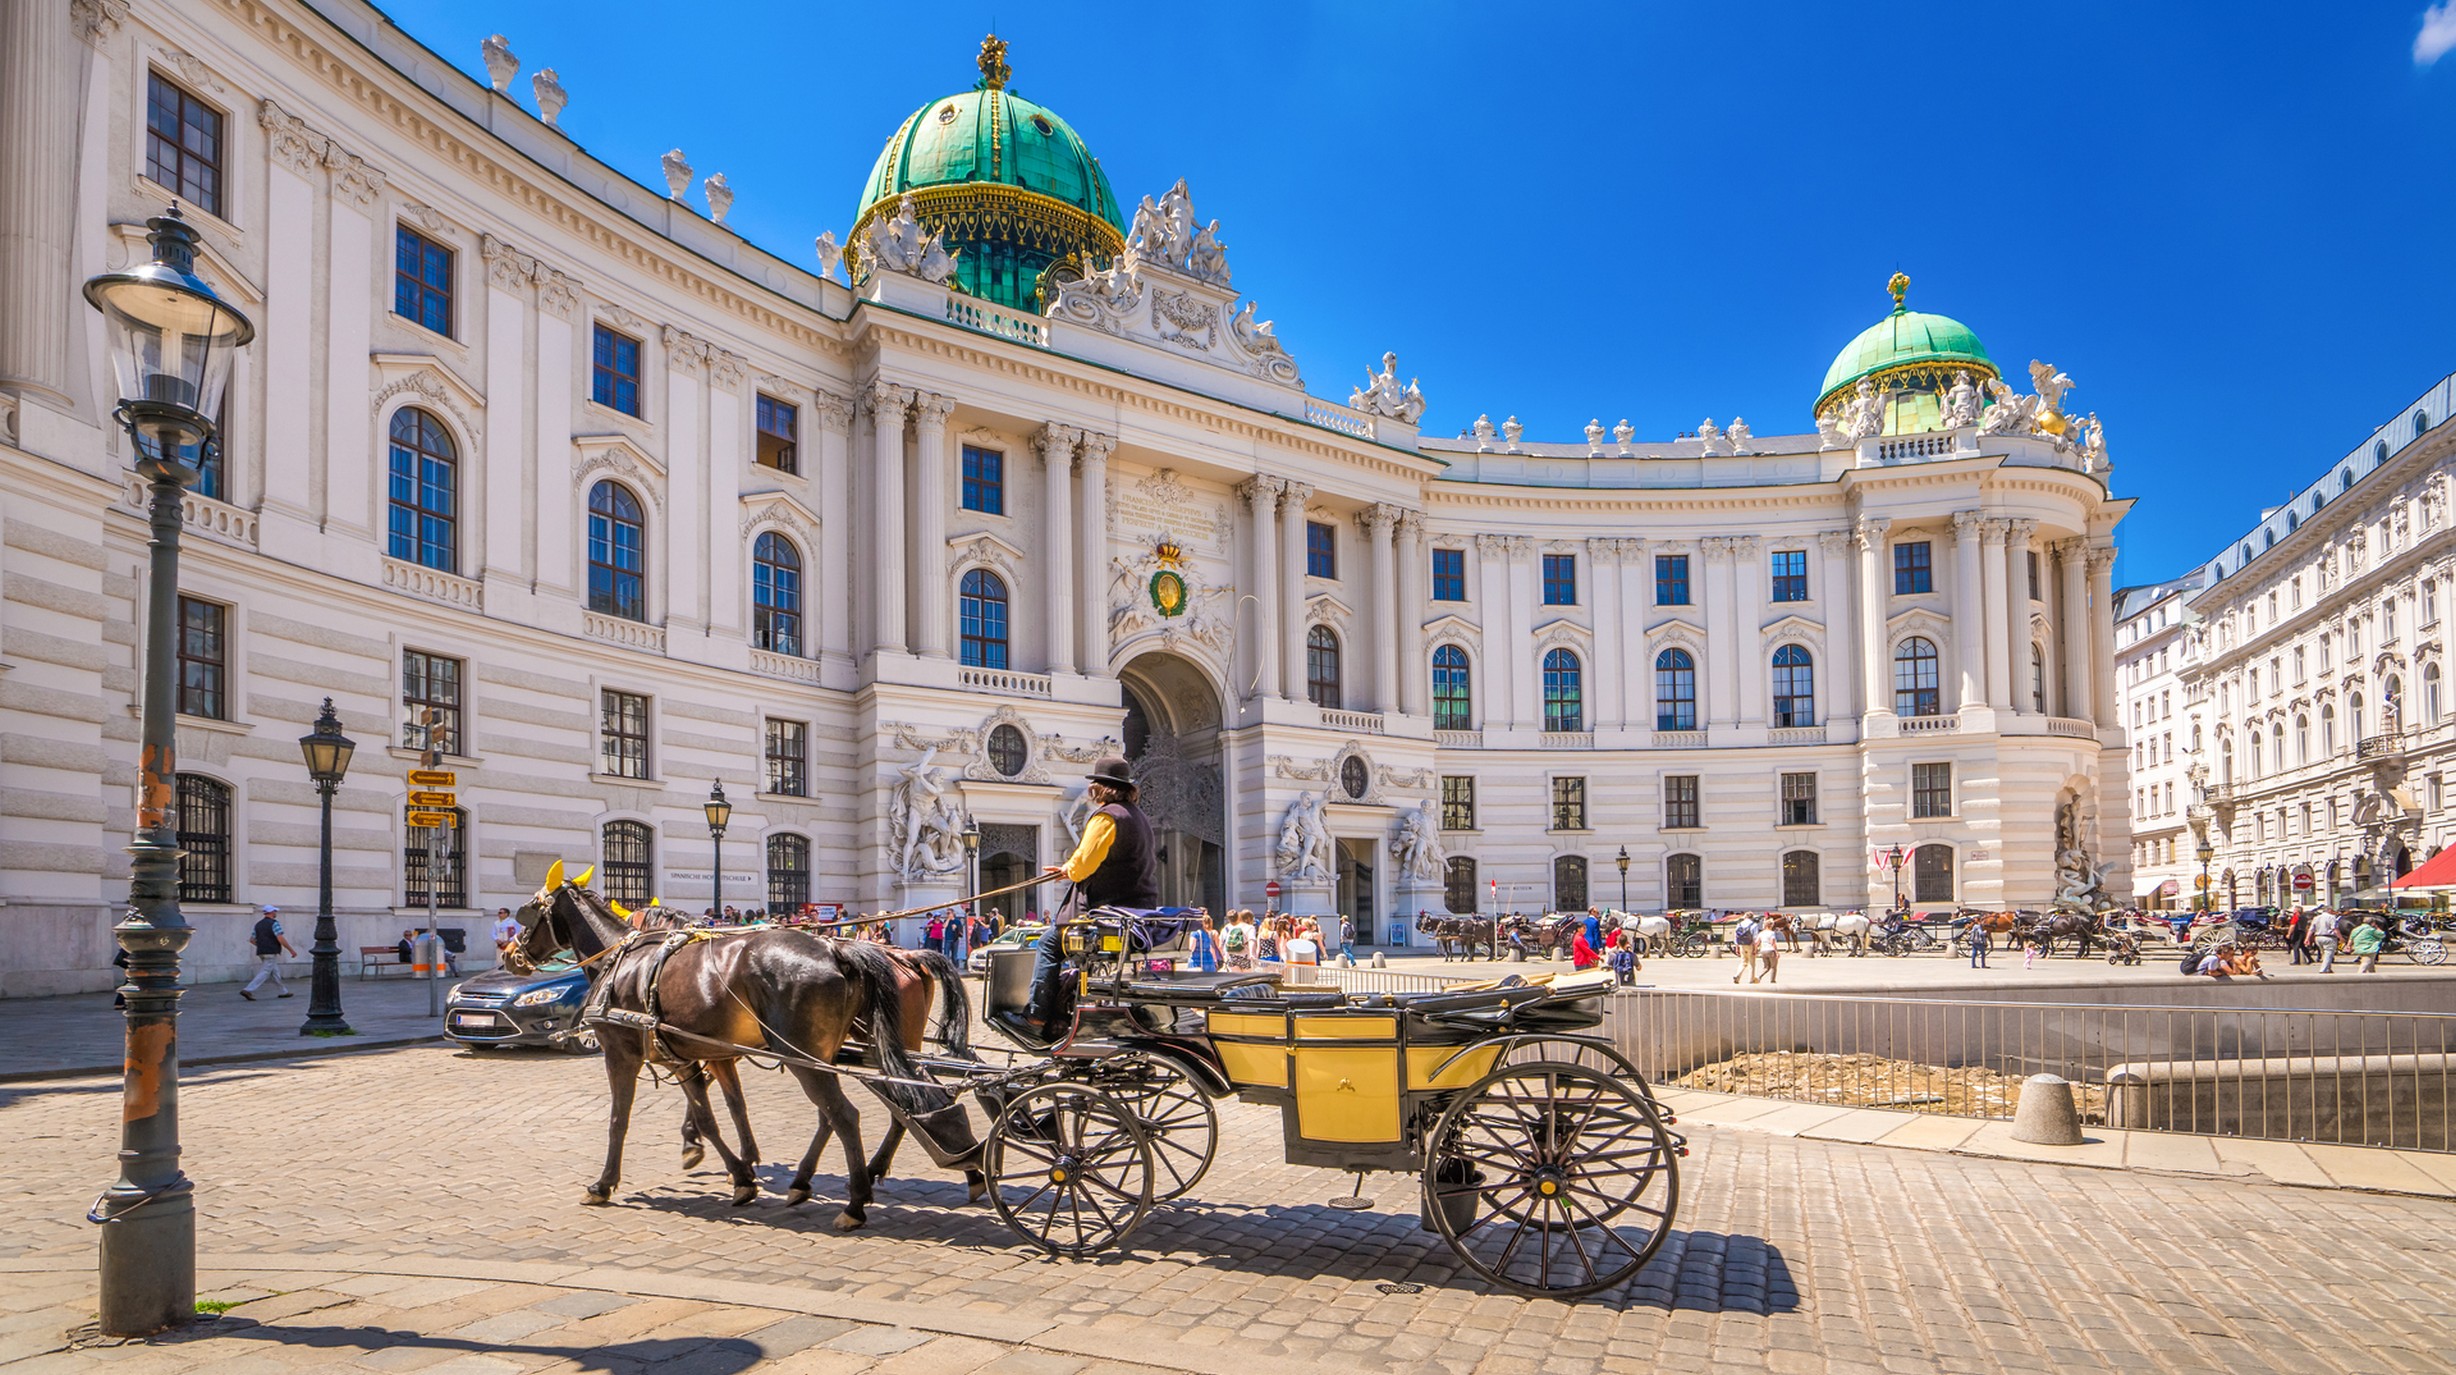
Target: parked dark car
{"x": 501, "y": 1008}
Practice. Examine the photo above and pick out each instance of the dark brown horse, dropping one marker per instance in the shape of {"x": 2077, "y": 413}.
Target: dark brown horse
{"x": 794, "y": 994}
{"x": 2044, "y": 932}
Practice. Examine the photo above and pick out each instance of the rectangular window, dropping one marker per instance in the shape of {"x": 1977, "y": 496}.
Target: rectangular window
{"x": 1560, "y": 580}
{"x": 1449, "y": 575}
{"x": 1931, "y": 790}
{"x": 1680, "y": 812}
{"x": 451, "y": 874}
{"x": 1914, "y": 569}
{"x": 788, "y": 758}
{"x": 1671, "y": 580}
{"x": 204, "y": 666}
{"x": 1799, "y": 799}
{"x": 2033, "y": 558}
{"x": 1321, "y": 550}
{"x": 1457, "y": 802}
{"x": 1790, "y": 575}
{"x": 780, "y": 429}
{"x": 615, "y": 373}
{"x": 421, "y": 280}
{"x": 623, "y": 734}
{"x": 431, "y": 682}
{"x": 183, "y": 145}
{"x": 984, "y": 481}
{"x": 1569, "y": 804}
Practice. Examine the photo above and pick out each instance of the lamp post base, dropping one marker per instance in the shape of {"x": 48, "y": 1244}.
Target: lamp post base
{"x": 148, "y": 1262}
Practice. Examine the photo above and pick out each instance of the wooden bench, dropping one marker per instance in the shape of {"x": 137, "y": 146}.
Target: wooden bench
{"x": 373, "y": 960}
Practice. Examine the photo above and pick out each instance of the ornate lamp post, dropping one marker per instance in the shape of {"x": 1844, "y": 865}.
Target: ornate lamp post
{"x": 720, "y": 815}
{"x": 972, "y": 851}
{"x": 171, "y": 343}
{"x": 328, "y": 758}
{"x": 1622, "y": 859}
{"x": 2204, "y": 852}
{"x": 1895, "y": 857}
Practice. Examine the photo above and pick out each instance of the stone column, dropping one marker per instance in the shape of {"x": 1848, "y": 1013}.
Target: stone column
{"x": 349, "y": 335}
{"x": 1971, "y": 610}
{"x": 2102, "y": 633}
{"x": 557, "y": 505}
{"x": 1292, "y": 590}
{"x": 1380, "y": 523}
{"x": 1836, "y": 578}
{"x": 933, "y": 607}
{"x": 887, "y": 405}
{"x": 1873, "y": 602}
{"x": 2016, "y": 628}
{"x": 833, "y": 415}
{"x": 1056, "y": 446}
{"x": 1611, "y": 628}
{"x": 1722, "y": 632}
{"x": 285, "y": 337}
{"x": 1415, "y": 672}
{"x": 38, "y": 168}
{"x": 1261, "y": 495}
{"x": 1092, "y": 540}
{"x": 2072, "y": 619}
{"x": 1751, "y": 676}
{"x": 1988, "y": 638}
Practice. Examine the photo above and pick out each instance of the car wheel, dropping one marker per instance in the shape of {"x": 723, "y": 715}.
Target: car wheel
{"x": 584, "y": 1043}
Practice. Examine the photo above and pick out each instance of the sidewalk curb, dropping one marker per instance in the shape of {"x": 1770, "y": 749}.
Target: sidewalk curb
{"x": 311, "y": 1047}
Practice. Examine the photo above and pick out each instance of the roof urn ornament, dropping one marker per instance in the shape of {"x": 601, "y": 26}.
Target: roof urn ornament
{"x": 1483, "y": 432}
{"x": 1594, "y": 436}
{"x": 720, "y": 197}
{"x": 830, "y": 252}
{"x": 551, "y": 97}
{"x": 677, "y": 173}
{"x": 501, "y": 63}
{"x": 1709, "y": 436}
{"x": 1738, "y": 435}
{"x": 1511, "y": 429}
{"x": 1624, "y": 434}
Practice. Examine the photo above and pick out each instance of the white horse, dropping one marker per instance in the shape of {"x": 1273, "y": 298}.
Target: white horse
{"x": 1823, "y": 928}
{"x": 1654, "y": 931}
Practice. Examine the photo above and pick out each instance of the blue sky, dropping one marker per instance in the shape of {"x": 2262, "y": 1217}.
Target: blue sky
{"x": 2230, "y": 225}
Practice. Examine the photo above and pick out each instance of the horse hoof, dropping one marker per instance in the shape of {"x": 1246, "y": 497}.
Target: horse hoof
{"x": 692, "y": 1155}
{"x": 596, "y": 1198}
{"x": 743, "y": 1194}
{"x": 849, "y": 1221}
{"x": 796, "y": 1196}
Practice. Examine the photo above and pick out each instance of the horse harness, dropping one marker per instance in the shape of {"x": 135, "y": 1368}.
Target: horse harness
{"x": 600, "y": 1011}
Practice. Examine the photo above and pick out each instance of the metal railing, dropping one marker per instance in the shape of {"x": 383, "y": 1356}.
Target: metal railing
{"x": 1363, "y": 980}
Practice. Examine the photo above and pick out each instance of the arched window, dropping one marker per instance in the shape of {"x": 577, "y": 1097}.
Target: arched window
{"x": 1564, "y": 694}
{"x": 2430, "y": 694}
{"x": 627, "y": 869}
{"x": 2328, "y": 730}
{"x": 1675, "y": 692}
{"x": 2391, "y": 703}
{"x": 1794, "y": 687}
{"x": 2276, "y": 741}
{"x": 2345, "y": 476}
{"x": 1931, "y": 874}
{"x": 2251, "y": 752}
{"x": 204, "y": 840}
{"x": 1458, "y": 886}
{"x": 2353, "y": 718}
{"x": 1569, "y": 883}
{"x": 1453, "y": 698}
{"x": 450, "y": 872}
{"x": 2421, "y": 422}
{"x": 1684, "y": 881}
{"x": 2302, "y": 739}
{"x": 1917, "y": 687}
{"x": 1322, "y": 667}
{"x": 788, "y": 873}
{"x": 776, "y": 594}
{"x": 980, "y": 608}
{"x": 425, "y": 491}
{"x": 617, "y": 553}
{"x": 2225, "y": 759}
{"x": 1801, "y": 886}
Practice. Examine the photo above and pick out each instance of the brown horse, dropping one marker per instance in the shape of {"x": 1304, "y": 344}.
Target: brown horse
{"x": 794, "y": 994}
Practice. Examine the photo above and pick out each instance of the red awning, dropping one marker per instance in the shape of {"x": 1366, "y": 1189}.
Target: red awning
{"x": 2438, "y": 872}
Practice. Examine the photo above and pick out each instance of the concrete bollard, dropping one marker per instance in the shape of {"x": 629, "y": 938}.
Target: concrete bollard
{"x": 2047, "y": 1115}
{"x": 1379, "y": 962}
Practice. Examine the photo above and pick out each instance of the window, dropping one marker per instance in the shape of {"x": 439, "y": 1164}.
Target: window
{"x": 617, "y": 553}
{"x": 2299, "y": 675}
{"x": 1009, "y": 753}
{"x": 1564, "y": 692}
{"x": 1457, "y": 802}
{"x": 2430, "y": 694}
{"x": 1560, "y": 580}
{"x": 981, "y": 618}
{"x": 788, "y": 758}
{"x": 1800, "y": 884}
{"x": 2325, "y": 661}
{"x": 1798, "y": 799}
{"x": 788, "y": 873}
{"x": 2032, "y": 556}
{"x": 2302, "y": 741}
{"x": 419, "y": 866}
{"x": 1675, "y": 690}
{"x": 627, "y": 871}
{"x": 424, "y": 492}
{"x": 203, "y": 665}
{"x": 204, "y": 840}
{"x": 984, "y": 481}
{"x": 2430, "y": 602}
{"x": 1569, "y": 883}
{"x": 1914, "y": 569}
{"x": 780, "y": 428}
{"x": 431, "y": 683}
{"x": 1680, "y": 807}
{"x": 1931, "y": 790}
{"x": 1458, "y": 886}
{"x": 1671, "y": 580}
{"x": 1684, "y": 881}
{"x": 421, "y": 280}
{"x": 1931, "y": 874}
{"x": 1915, "y": 681}
{"x": 623, "y": 734}
{"x": 2038, "y": 676}
{"x": 183, "y": 146}
{"x": 1790, "y": 575}
{"x": 1794, "y": 687}
{"x": 2328, "y": 730}
{"x": 211, "y": 478}
{"x": 1321, "y": 550}
{"x": 1568, "y": 804}
{"x": 776, "y": 594}
{"x": 615, "y": 375}
{"x": 1322, "y": 667}
{"x": 1453, "y": 697}
{"x": 1449, "y": 575}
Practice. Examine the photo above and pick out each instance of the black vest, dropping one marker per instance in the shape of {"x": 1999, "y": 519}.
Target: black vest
{"x": 1129, "y": 876}
{"x": 266, "y": 942}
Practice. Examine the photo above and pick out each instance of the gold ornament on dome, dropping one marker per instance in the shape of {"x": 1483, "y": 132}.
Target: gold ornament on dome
{"x": 1900, "y": 287}
{"x": 994, "y": 71}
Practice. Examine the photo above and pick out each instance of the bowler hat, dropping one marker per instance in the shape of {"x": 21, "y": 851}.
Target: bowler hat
{"x": 1115, "y": 772}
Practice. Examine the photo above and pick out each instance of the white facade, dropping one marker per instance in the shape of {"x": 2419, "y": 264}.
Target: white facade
{"x": 2150, "y": 653}
{"x": 1160, "y": 468}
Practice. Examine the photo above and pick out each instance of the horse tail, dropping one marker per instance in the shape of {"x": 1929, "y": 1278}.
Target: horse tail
{"x": 873, "y": 971}
{"x": 954, "y": 1005}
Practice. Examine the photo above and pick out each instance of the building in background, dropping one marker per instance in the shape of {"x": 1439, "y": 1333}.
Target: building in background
{"x": 2150, "y": 649}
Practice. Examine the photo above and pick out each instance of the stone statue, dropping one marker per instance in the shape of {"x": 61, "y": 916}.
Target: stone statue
{"x": 1829, "y": 429}
{"x": 677, "y": 173}
{"x": 1256, "y": 337}
{"x": 1710, "y": 435}
{"x": 1151, "y": 236}
{"x": 923, "y": 823}
{"x": 720, "y": 197}
{"x": 551, "y": 97}
{"x": 2079, "y": 885}
{"x": 2048, "y": 414}
{"x": 2010, "y": 414}
{"x": 1483, "y": 432}
{"x": 2093, "y": 445}
{"x": 1863, "y": 416}
{"x": 830, "y": 252}
{"x": 1624, "y": 433}
{"x": 501, "y": 63}
{"x": 1738, "y": 435}
{"x": 1074, "y": 810}
{"x": 899, "y": 244}
{"x": 1305, "y": 853}
{"x": 1960, "y": 403}
{"x": 1417, "y": 847}
{"x": 1381, "y": 393}
{"x": 1208, "y": 258}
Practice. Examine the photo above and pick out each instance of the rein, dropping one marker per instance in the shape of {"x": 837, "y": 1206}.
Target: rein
{"x": 1033, "y": 882}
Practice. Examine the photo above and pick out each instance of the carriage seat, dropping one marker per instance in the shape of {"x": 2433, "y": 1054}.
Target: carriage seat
{"x": 1186, "y": 986}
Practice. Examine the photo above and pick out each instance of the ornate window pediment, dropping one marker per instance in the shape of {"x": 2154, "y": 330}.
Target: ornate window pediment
{"x": 1794, "y": 628}
{"x": 1453, "y": 630}
{"x": 1328, "y": 610}
{"x": 1561, "y": 630}
{"x": 1677, "y": 630}
{"x": 779, "y": 510}
{"x": 610, "y": 455}
{"x": 984, "y": 548}
{"x": 983, "y": 766}
{"x": 427, "y": 382}
{"x": 1918, "y": 620}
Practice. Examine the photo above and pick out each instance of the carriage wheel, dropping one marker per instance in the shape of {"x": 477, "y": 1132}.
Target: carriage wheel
{"x": 2428, "y": 950}
{"x": 1171, "y": 1110}
{"x": 1069, "y": 1169}
{"x": 1540, "y": 1175}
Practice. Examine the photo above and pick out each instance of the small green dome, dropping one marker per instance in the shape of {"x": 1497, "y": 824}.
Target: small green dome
{"x": 1906, "y": 341}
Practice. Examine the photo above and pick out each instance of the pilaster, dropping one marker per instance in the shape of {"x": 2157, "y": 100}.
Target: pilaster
{"x": 1092, "y": 602}
{"x": 1056, "y": 446}
{"x": 887, "y": 404}
{"x": 931, "y": 466}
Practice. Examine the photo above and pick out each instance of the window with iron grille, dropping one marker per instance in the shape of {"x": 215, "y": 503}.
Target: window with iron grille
{"x": 1931, "y": 790}
{"x": 1931, "y": 874}
{"x": 623, "y": 734}
{"x": 431, "y": 682}
{"x": 788, "y": 758}
{"x": 1321, "y": 550}
{"x": 183, "y": 144}
{"x": 451, "y": 874}
{"x": 780, "y": 429}
{"x": 1459, "y": 890}
{"x": 776, "y": 595}
{"x": 1671, "y": 580}
{"x": 1560, "y": 580}
{"x": 204, "y": 668}
{"x": 1453, "y": 696}
{"x": 1790, "y": 569}
{"x": 1684, "y": 881}
{"x": 1680, "y": 809}
{"x": 204, "y": 840}
{"x": 421, "y": 280}
{"x": 614, "y": 376}
{"x": 1913, "y": 568}
{"x": 1569, "y": 804}
{"x": 1801, "y": 885}
{"x": 1798, "y": 799}
{"x": 984, "y": 481}
{"x": 1457, "y": 802}
{"x": 1322, "y": 667}
{"x": 1449, "y": 575}
{"x": 1569, "y": 883}
{"x": 424, "y": 492}
{"x": 788, "y": 873}
{"x": 626, "y": 873}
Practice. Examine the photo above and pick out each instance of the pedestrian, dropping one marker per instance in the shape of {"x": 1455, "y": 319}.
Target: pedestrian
{"x": 1236, "y": 943}
{"x": 2368, "y": 938}
{"x": 1347, "y": 938}
{"x": 270, "y": 945}
{"x": 1206, "y": 946}
{"x": 959, "y": 935}
{"x": 2029, "y": 954}
{"x": 1623, "y": 957}
{"x": 2297, "y": 937}
{"x": 408, "y": 947}
{"x": 1769, "y": 954}
{"x": 1581, "y": 951}
{"x": 2324, "y": 935}
{"x": 1979, "y": 945}
{"x": 934, "y": 935}
{"x": 1266, "y": 944}
{"x": 507, "y": 931}
{"x": 1594, "y": 929}
{"x": 1744, "y": 944}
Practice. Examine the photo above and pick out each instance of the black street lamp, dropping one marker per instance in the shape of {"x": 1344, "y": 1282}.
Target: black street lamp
{"x": 328, "y": 758}
{"x": 1622, "y": 859}
{"x": 1895, "y": 857}
{"x": 171, "y": 341}
{"x": 972, "y": 853}
{"x": 720, "y": 815}
{"x": 2204, "y": 852}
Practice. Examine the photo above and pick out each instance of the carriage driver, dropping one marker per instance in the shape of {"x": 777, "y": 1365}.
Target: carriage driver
{"x": 1115, "y": 865}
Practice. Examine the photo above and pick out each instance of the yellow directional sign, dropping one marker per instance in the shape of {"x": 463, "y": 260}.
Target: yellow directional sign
{"x": 429, "y": 820}
{"x": 434, "y": 799}
{"x": 433, "y": 778}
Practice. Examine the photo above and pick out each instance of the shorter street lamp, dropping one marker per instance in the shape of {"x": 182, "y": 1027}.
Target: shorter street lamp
{"x": 328, "y": 758}
{"x": 720, "y": 815}
{"x": 1894, "y": 856}
{"x": 2204, "y": 852}
{"x": 1622, "y": 859}
{"x": 972, "y": 853}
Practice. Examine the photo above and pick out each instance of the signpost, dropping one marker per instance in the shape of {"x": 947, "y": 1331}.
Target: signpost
{"x": 2302, "y": 883}
{"x": 431, "y": 801}
{"x": 1272, "y": 890}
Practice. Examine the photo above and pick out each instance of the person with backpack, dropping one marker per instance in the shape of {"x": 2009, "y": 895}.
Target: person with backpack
{"x": 1206, "y": 946}
{"x": 934, "y": 936}
{"x": 270, "y": 946}
{"x": 1744, "y": 940}
{"x": 1237, "y": 942}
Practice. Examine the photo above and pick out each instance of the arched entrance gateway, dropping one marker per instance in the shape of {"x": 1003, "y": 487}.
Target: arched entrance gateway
{"x": 1172, "y": 737}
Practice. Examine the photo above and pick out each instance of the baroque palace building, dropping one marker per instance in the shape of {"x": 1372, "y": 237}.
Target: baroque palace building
{"x": 896, "y": 547}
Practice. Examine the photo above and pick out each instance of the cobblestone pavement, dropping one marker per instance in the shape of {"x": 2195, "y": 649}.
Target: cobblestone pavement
{"x": 1790, "y": 1254}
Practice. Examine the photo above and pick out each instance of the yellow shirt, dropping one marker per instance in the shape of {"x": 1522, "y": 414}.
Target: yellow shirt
{"x": 1098, "y": 833}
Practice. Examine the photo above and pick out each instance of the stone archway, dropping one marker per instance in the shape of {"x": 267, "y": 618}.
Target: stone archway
{"x": 1172, "y": 737}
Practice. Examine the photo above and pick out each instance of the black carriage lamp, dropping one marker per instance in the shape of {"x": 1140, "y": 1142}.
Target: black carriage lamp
{"x": 1622, "y": 859}
{"x": 720, "y": 811}
{"x": 972, "y": 836}
{"x": 327, "y": 750}
{"x": 1895, "y": 857}
{"x": 328, "y": 760}
{"x": 720, "y": 815}
{"x": 2204, "y": 852}
{"x": 171, "y": 342}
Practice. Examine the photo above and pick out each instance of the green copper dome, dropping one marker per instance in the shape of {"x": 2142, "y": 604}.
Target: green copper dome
{"x": 1009, "y": 183}
{"x": 1907, "y": 345}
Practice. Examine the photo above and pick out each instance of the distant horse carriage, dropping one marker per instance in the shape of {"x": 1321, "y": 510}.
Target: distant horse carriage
{"x": 1459, "y": 937}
